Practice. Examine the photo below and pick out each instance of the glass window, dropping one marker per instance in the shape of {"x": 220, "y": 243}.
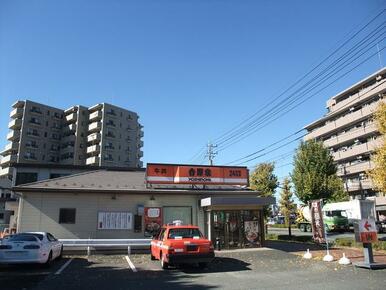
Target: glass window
{"x": 23, "y": 238}
{"x": 67, "y": 215}
{"x": 184, "y": 233}
{"x": 26, "y": 177}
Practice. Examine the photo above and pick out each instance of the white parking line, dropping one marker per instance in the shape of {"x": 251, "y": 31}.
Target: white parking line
{"x": 131, "y": 264}
{"x": 63, "y": 267}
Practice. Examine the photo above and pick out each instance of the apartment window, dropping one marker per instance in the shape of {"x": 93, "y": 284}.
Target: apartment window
{"x": 110, "y": 134}
{"x": 110, "y": 146}
{"x": 36, "y": 110}
{"x": 45, "y": 134}
{"x": 47, "y": 123}
{"x": 111, "y": 112}
{"x": 55, "y": 136}
{"x": 1, "y": 215}
{"x": 110, "y": 123}
{"x": 30, "y": 156}
{"x": 48, "y": 113}
{"x": 34, "y": 121}
{"x": 26, "y": 177}
{"x": 67, "y": 215}
{"x": 31, "y": 144}
{"x": 57, "y": 115}
{"x": 32, "y": 132}
{"x": 108, "y": 157}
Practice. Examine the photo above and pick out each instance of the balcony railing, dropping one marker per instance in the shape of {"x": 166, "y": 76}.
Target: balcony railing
{"x": 9, "y": 148}
{"x": 94, "y": 160}
{"x": 94, "y": 138}
{"x": 94, "y": 127}
{"x": 359, "y": 185}
{"x": 6, "y": 171}
{"x": 71, "y": 118}
{"x": 358, "y": 150}
{"x": 363, "y": 113}
{"x": 16, "y": 113}
{"x": 355, "y": 168}
{"x": 93, "y": 150}
{"x": 15, "y": 124}
{"x": 96, "y": 116}
{"x": 13, "y": 135}
{"x": 8, "y": 159}
{"x": 351, "y": 135}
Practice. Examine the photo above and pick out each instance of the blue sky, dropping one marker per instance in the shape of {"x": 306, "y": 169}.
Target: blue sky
{"x": 191, "y": 69}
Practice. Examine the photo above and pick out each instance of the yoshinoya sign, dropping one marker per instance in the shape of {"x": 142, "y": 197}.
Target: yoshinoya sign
{"x": 196, "y": 174}
{"x": 317, "y": 221}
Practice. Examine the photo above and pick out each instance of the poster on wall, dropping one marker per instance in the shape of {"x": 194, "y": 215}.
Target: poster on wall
{"x": 251, "y": 230}
{"x": 153, "y": 220}
{"x": 115, "y": 220}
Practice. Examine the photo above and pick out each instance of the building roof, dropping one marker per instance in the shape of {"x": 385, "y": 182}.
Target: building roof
{"x": 113, "y": 181}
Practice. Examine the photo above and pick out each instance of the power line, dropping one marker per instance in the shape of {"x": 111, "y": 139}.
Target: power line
{"x": 221, "y": 138}
{"x": 276, "y": 110}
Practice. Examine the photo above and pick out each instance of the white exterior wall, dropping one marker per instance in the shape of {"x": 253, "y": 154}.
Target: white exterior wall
{"x": 40, "y": 212}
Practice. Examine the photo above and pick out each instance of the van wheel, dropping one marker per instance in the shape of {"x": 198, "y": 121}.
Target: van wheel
{"x": 308, "y": 228}
{"x": 302, "y": 228}
{"x": 164, "y": 264}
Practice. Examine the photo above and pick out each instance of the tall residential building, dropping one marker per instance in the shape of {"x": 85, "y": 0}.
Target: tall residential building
{"x": 349, "y": 131}
{"x": 102, "y": 135}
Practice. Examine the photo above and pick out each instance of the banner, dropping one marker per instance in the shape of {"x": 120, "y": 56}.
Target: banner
{"x": 115, "y": 221}
{"x": 153, "y": 220}
{"x": 196, "y": 174}
{"x": 317, "y": 221}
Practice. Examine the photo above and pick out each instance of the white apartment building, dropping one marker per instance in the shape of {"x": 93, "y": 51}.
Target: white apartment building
{"x": 349, "y": 131}
{"x": 103, "y": 135}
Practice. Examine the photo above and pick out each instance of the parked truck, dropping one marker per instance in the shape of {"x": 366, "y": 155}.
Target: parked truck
{"x": 334, "y": 219}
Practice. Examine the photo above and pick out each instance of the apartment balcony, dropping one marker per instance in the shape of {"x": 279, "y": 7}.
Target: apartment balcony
{"x": 6, "y": 160}
{"x": 363, "y": 95}
{"x": 6, "y": 171}
{"x": 16, "y": 113}
{"x": 358, "y": 150}
{"x": 15, "y": 124}
{"x": 96, "y": 107}
{"x": 351, "y": 135}
{"x": 71, "y": 110}
{"x": 141, "y": 134}
{"x": 94, "y": 160}
{"x": 356, "y": 116}
{"x": 355, "y": 168}
{"x": 71, "y": 118}
{"x": 71, "y": 127}
{"x": 18, "y": 104}
{"x": 357, "y": 186}
{"x": 9, "y": 148}
{"x": 140, "y": 144}
{"x": 140, "y": 153}
{"x": 14, "y": 135}
{"x": 96, "y": 116}
{"x": 94, "y": 150}
{"x": 94, "y": 138}
{"x": 94, "y": 127}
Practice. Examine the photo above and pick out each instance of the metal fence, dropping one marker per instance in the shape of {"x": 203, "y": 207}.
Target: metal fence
{"x": 105, "y": 244}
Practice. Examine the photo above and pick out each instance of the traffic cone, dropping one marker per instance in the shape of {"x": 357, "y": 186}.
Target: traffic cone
{"x": 344, "y": 260}
{"x": 307, "y": 255}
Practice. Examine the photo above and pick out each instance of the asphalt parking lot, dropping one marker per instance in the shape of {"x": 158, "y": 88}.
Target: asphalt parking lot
{"x": 248, "y": 269}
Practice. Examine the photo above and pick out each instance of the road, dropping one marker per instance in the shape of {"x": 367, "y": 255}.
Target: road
{"x": 266, "y": 268}
{"x": 331, "y": 236}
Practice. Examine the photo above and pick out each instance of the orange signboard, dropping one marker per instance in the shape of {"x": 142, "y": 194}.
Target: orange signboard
{"x": 196, "y": 174}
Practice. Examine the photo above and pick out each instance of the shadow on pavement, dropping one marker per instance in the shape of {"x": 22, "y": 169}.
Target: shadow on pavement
{"x": 218, "y": 265}
{"x": 291, "y": 246}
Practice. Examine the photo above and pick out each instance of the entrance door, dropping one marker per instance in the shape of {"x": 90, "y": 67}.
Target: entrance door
{"x": 172, "y": 213}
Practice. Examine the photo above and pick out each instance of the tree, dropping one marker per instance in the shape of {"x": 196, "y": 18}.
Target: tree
{"x": 314, "y": 174}
{"x": 378, "y": 174}
{"x": 286, "y": 204}
{"x": 263, "y": 180}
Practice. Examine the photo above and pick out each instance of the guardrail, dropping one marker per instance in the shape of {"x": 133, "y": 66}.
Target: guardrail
{"x": 105, "y": 243}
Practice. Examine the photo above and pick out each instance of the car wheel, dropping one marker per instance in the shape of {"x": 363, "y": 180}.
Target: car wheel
{"x": 202, "y": 265}
{"x": 60, "y": 253}
{"x": 49, "y": 260}
{"x": 164, "y": 264}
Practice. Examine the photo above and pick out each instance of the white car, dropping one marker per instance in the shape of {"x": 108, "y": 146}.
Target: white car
{"x": 30, "y": 247}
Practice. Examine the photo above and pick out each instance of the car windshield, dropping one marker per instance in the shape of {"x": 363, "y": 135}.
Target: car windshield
{"x": 184, "y": 233}
{"x": 23, "y": 238}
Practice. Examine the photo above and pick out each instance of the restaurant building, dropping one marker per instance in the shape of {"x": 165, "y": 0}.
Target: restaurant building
{"x": 134, "y": 204}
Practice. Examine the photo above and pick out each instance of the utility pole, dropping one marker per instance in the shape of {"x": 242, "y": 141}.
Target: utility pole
{"x": 210, "y": 153}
